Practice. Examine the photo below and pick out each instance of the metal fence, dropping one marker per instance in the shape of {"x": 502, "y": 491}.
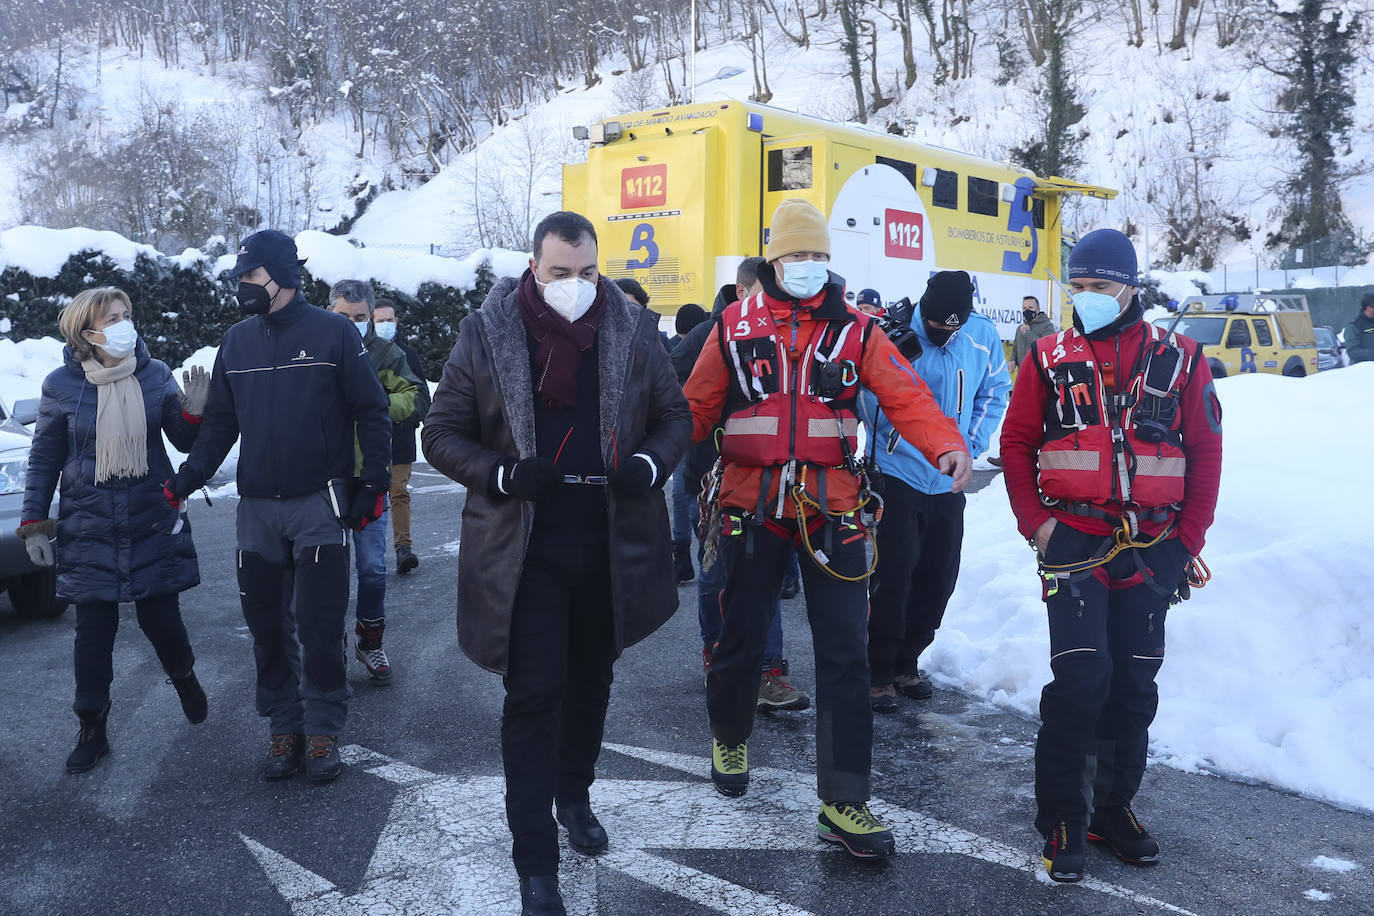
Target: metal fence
{"x": 1326, "y": 261}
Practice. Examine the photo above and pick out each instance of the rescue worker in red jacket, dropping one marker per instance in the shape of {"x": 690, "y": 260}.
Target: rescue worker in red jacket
{"x": 1111, "y": 451}
{"x": 784, "y": 367}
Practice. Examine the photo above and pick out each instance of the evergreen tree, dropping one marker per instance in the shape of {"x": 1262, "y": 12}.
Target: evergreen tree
{"x": 1313, "y": 51}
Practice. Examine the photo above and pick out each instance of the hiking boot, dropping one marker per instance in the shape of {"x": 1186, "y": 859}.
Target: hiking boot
{"x": 776, "y": 692}
{"x": 682, "y": 561}
{"x": 1118, "y": 828}
{"x": 91, "y": 744}
{"x": 369, "y": 651}
{"x": 730, "y": 768}
{"x": 790, "y": 586}
{"x": 1064, "y": 855}
{"x": 539, "y": 896}
{"x": 406, "y": 560}
{"x": 322, "y": 762}
{"x": 883, "y": 699}
{"x": 855, "y": 828}
{"x": 917, "y": 686}
{"x": 193, "y": 702}
{"x": 585, "y": 833}
{"x": 284, "y": 756}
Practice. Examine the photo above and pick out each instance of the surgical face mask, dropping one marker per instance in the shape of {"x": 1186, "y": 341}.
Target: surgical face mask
{"x": 569, "y": 297}
{"x": 120, "y": 339}
{"x": 1095, "y": 310}
{"x": 803, "y": 279}
{"x": 253, "y": 298}
{"x": 362, "y": 327}
{"x": 386, "y": 330}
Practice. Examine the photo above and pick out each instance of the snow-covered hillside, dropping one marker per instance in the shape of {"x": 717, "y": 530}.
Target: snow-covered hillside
{"x": 1150, "y": 113}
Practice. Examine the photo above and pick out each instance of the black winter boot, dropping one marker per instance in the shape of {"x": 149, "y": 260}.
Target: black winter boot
{"x": 539, "y": 896}
{"x": 193, "y": 701}
{"x": 90, "y": 741}
{"x": 1065, "y": 852}
{"x": 682, "y": 561}
{"x": 1118, "y": 827}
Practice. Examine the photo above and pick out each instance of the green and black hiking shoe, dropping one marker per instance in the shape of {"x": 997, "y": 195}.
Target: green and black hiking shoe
{"x": 730, "y": 768}
{"x": 855, "y": 828}
{"x": 1064, "y": 854}
{"x": 1118, "y": 828}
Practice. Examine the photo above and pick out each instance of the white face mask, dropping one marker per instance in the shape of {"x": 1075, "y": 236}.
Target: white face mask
{"x": 804, "y": 279}
{"x": 569, "y": 297}
{"x": 120, "y": 339}
{"x": 386, "y": 330}
{"x": 362, "y": 327}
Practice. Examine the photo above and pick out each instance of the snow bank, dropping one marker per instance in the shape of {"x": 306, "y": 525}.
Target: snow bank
{"x": 1180, "y": 284}
{"x": 24, "y": 365}
{"x": 42, "y": 252}
{"x": 1268, "y": 673}
{"x": 332, "y": 258}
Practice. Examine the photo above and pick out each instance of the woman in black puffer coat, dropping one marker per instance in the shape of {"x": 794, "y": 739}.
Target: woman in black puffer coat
{"x": 119, "y": 538}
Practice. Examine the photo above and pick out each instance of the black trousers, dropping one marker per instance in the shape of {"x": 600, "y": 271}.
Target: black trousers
{"x": 1106, "y": 647}
{"x": 919, "y": 543}
{"x": 838, "y": 613}
{"x": 558, "y": 684}
{"x": 97, "y": 622}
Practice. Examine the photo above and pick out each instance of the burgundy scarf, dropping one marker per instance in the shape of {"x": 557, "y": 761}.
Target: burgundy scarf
{"x": 561, "y": 343}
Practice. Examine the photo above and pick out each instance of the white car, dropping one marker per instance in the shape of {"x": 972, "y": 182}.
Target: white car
{"x": 32, "y": 590}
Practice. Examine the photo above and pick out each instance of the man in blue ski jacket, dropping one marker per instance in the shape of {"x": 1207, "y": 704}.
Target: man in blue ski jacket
{"x": 958, "y": 354}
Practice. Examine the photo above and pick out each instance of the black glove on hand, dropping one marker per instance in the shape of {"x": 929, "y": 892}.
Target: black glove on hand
{"x": 183, "y": 484}
{"x": 635, "y": 477}
{"x": 533, "y": 478}
{"x": 368, "y": 505}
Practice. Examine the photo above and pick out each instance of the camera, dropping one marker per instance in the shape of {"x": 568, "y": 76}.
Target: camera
{"x": 896, "y": 324}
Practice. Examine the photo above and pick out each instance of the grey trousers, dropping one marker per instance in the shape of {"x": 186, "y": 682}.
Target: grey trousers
{"x": 296, "y": 548}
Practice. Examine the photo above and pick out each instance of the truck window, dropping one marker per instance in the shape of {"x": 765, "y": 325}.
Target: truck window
{"x": 907, "y": 169}
{"x": 789, "y": 169}
{"x": 982, "y": 196}
{"x": 946, "y": 190}
{"x": 1262, "y": 332}
{"x": 1238, "y": 335}
{"x": 1037, "y": 206}
{"x": 1206, "y": 331}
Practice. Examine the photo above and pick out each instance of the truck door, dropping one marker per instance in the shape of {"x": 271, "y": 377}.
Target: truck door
{"x": 655, "y": 214}
{"x": 1266, "y": 347}
{"x": 791, "y": 167}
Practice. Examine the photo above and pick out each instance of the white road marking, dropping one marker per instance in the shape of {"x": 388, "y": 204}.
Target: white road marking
{"x": 444, "y": 848}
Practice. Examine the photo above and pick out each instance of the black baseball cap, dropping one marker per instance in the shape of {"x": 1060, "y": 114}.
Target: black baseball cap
{"x": 273, "y": 250}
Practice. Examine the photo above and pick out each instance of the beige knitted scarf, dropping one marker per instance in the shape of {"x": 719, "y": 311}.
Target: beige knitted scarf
{"x": 121, "y": 422}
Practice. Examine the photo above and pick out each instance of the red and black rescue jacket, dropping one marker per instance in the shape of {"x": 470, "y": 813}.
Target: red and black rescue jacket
{"x": 785, "y": 374}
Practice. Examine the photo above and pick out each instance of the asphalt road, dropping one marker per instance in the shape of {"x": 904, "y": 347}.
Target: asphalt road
{"x": 177, "y": 820}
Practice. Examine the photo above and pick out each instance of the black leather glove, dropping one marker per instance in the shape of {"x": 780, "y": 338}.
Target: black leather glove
{"x": 182, "y": 485}
{"x": 533, "y": 478}
{"x": 635, "y": 477}
{"x": 368, "y": 505}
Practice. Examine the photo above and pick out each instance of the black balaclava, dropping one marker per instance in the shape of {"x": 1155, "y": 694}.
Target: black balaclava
{"x": 947, "y": 301}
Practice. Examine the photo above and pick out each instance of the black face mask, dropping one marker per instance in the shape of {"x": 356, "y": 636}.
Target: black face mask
{"x": 253, "y": 298}
{"x": 939, "y": 336}
{"x": 1030, "y": 315}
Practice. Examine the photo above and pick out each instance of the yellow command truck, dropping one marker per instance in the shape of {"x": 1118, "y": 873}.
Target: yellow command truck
{"x": 680, "y": 196}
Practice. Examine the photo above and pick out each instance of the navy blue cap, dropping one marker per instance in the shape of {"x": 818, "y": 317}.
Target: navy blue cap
{"x": 869, "y": 297}
{"x": 1104, "y": 254}
{"x": 273, "y": 250}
